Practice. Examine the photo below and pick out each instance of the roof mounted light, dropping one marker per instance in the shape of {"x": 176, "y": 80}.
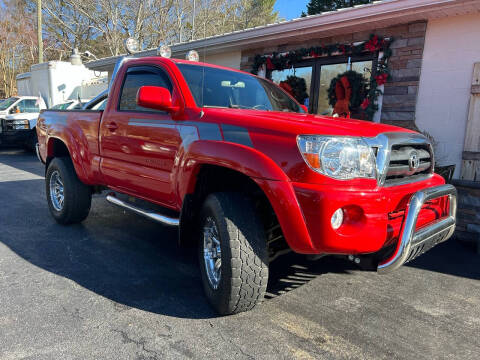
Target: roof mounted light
{"x": 192, "y": 55}
{"x": 131, "y": 45}
{"x": 164, "y": 51}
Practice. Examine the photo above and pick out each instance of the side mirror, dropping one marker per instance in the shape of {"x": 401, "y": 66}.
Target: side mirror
{"x": 155, "y": 97}
{"x": 304, "y": 108}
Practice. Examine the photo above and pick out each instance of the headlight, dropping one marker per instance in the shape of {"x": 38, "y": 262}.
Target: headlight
{"x": 19, "y": 124}
{"x": 340, "y": 158}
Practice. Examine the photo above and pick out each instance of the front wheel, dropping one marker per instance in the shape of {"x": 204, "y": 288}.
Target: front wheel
{"x": 31, "y": 141}
{"x": 68, "y": 198}
{"x": 232, "y": 253}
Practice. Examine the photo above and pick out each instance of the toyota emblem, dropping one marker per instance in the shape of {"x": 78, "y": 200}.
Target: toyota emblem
{"x": 413, "y": 161}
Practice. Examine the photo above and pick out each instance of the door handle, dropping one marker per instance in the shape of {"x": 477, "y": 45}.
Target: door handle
{"x": 112, "y": 126}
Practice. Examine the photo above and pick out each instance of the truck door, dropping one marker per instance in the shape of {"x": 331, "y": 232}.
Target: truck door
{"x": 138, "y": 145}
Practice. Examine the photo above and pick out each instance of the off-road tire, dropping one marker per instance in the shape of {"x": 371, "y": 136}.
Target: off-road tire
{"x": 32, "y": 140}
{"x": 244, "y": 256}
{"x": 77, "y": 195}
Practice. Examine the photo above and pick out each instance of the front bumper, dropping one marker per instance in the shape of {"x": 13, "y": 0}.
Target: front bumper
{"x": 375, "y": 219}
{"x": 14, "y": 137}
{"x": 412, "y": 242}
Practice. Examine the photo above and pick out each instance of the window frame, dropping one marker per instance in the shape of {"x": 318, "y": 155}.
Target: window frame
{"x": 152, "y": 68}
{"x": 317, "y": 63}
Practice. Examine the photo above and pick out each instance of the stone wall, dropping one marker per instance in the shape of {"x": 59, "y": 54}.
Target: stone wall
{"x": 400, "y": 93}
{"x": 468, "y": 213}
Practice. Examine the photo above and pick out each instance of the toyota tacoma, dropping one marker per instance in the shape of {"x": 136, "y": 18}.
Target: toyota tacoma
{"x": 245, "y": 173}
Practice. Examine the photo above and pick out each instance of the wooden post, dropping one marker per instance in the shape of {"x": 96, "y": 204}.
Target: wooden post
{"x": 471, "y": 150}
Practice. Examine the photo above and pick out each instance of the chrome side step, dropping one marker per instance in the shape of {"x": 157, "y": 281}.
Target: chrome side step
{"x": 148, "y": 214}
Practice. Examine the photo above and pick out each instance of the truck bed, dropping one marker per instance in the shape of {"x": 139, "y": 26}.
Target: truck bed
{"x": 78, "y": 130}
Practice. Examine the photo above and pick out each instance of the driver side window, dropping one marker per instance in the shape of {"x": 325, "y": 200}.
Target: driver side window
{"x": 28, "y": 106}
{"x": 137, "y": 77}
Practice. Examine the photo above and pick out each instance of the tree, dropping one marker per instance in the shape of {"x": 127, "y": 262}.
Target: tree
{"x": 101, "y": 26}
{"x": 18, "y": 43}
{"x": 318, "y": 6}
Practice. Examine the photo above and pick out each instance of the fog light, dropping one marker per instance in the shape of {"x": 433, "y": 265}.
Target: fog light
{"x": 337, "y": 219}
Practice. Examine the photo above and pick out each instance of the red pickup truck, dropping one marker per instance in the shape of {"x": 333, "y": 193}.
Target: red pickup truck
{"x": 245, "y": 173}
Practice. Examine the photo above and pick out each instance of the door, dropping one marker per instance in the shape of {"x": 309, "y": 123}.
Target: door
{"x": 138, "y": 145}
{"x": 471, "y": 150}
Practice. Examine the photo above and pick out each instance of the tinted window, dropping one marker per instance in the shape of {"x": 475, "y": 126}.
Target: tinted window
{"x": 232, "y": 89}
{"x": 28, "y": 106}
{"x": 136, "y": 78}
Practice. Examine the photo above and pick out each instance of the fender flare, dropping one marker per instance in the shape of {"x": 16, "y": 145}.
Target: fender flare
{"x": 68, "y": 140}
{"x": 270, "y": 178}
{"x": 237, "y": 157}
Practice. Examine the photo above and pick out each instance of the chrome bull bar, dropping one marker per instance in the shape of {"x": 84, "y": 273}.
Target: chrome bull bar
{"x": 414, "y": 243}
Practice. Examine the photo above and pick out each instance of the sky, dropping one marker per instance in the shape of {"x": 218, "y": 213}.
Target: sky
{"x": 291, "y": 9}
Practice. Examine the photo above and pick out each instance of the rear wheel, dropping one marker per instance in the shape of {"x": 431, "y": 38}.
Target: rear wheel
{"x": 68, "y": 198}
{"x": 232, "y": 253}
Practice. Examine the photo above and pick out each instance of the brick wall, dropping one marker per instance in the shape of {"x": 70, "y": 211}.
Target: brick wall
{"x": 400, "y": 93}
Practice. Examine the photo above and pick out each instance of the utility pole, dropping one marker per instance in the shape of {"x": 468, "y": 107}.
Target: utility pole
{"x": 193, "y": 20}
{"x": 39, "y": 31}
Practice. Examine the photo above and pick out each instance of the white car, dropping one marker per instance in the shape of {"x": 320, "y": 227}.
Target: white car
{"x": 18, "y": 119}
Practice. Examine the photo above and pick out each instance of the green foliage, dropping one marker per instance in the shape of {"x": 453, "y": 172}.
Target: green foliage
{"x": 318, "y": 6}
{"x": 374, "y": 44}
{"x": 262, "y": 12}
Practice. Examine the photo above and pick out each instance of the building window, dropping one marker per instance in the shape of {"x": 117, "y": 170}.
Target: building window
{"x": 318, "y": 74}
{"x": 329, "y": 72}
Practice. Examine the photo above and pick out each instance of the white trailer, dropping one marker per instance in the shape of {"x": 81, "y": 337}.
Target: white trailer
{"x": 57, "y": 81}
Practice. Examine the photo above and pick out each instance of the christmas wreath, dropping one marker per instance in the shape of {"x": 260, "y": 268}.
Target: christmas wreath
{"x": 295, "y": 86}
{"x": 350, "y": 82}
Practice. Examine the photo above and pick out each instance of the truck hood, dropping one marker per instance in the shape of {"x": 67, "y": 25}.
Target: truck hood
{"x": 301, "y": 123}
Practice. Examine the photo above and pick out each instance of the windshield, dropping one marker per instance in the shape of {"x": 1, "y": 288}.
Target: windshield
{"x": 6, "y": 103}
{"x": 62, "y": 106}
{"x": 231, "y": 89}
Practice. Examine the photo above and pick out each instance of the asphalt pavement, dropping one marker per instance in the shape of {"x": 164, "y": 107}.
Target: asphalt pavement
{"x": 117, "y": 286}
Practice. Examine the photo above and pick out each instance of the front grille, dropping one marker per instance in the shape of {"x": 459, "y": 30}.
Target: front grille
{"x": 408, "y": 162}
{"x": 7, "y": 125}
{"x": 402, "y": 157}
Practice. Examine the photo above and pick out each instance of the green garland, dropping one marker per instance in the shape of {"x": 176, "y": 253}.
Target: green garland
{"x": 281, "y": 61}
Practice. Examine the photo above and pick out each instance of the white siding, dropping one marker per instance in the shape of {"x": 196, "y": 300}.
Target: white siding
{"x": 452, "y": 46}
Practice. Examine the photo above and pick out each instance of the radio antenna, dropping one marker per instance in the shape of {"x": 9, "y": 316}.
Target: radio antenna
{"x": 204, "y": 56}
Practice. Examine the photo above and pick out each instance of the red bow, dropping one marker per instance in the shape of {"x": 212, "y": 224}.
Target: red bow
{"x": 270, "y": 65}
{"x": 286, "y": 86}
{"x": 372, "y": 45}
{"x": 365, "y": 104}
{"x": 381, "y": 79}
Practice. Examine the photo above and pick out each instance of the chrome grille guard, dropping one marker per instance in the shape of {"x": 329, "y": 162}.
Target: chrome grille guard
{"x": 412, "y": 244}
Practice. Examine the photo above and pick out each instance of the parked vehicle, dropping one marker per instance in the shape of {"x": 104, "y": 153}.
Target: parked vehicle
{"x": 245, "y": 173}
{"x": 18, "y": 120}
{"x": 70, "y": 105}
